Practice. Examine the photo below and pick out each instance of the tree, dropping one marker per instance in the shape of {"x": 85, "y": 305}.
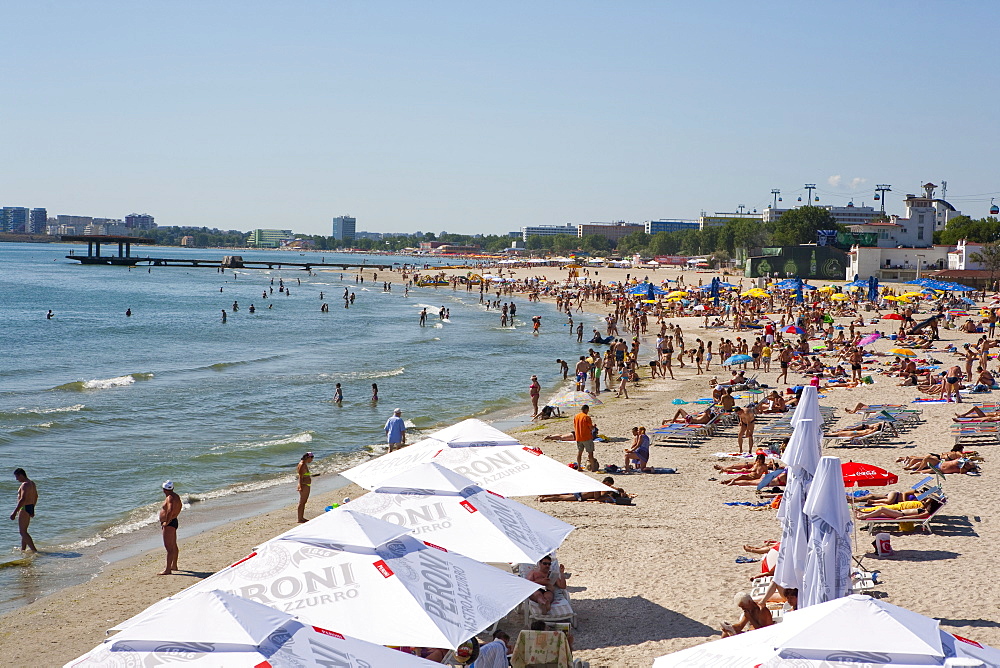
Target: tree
{"x": 799, "y": 226}
{"x": 979, "y": 231}
{"x": 634, "y": 242}
{"x": 989, "y": 256}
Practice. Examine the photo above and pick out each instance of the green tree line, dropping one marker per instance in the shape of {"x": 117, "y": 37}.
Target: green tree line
{"x": 203, "y": 236}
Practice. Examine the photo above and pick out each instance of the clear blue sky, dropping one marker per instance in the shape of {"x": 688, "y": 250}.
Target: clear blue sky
{"x": 482, "y": 117}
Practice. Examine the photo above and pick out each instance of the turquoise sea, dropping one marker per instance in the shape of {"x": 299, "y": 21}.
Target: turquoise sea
{"x": 101, "y": 408}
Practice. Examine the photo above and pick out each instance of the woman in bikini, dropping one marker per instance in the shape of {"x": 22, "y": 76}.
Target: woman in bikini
{"x": 305, "y": 481}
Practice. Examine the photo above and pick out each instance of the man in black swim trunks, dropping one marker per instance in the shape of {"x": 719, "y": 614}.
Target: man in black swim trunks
{"x": 168, "y": 525}
{"x": 27, "y": 497}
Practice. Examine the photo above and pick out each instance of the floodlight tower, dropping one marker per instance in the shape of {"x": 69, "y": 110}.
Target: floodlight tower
{"x": 881, "y": 189}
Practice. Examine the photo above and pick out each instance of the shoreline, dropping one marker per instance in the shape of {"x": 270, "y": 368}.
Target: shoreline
{"x": 647, "y": 579}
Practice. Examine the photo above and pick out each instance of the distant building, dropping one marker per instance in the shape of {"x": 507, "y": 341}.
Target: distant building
{"x": 610, "y": 231}
{"x": 140, "y": 221}
{"x": 39, "y": 218}
{"x": 374, "y": 236}
{"x": 721, "y": 218}
{"x": 547, "y": 230}
{"x": 269, "y": 238}
{"x": 16, "y": 219}
{"x": 927, "y": 212}
{"x": 845, "y": 215}
{"x": 73, "y": 225}
{"x": 657, "y": 226}
{"x": 344, "y": 228}
{"x": 187, "y": 240}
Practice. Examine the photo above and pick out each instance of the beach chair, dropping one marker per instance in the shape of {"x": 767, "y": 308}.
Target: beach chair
{"x": 868, "y": 439}
{"x": 562, "y": 608}
{"x": 923, "y": 522}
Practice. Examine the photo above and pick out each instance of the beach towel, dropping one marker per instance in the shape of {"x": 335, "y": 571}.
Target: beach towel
{"x": 541, "y": 648}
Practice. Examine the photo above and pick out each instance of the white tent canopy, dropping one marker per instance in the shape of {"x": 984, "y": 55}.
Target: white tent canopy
{"x": 848, "y": 631}
{"x": 401, "y": 593}
{"x": 449, "y": 510}
{"x": 215, "y": 629}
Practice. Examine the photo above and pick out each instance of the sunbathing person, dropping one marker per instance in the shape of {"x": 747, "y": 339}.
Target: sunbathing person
{"x": 683, "y": 417}
{"x": 763, "y": 549}
{"x": 755, "y": 616}
{"x": 962, "y": 465}
{"x": 977, "y": 414}
{"x": 606, "y": 496}
{"x": 561, "y": 437}
{"x": 753, "y": 478}
{"x": 542, "y": 574}
{"x": 915, "y": 463}
{"x": 743, "y": 467}
{"x": 887, "y": 499}
{"x": 855, "y": 432}
{"x": 906, "y": 509}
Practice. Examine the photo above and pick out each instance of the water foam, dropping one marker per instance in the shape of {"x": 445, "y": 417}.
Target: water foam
{"x": 365, "y": 375}
{"x": 302, "y": 437}
{"x": 42, "y": 411}
{"x": 104, "y": 383}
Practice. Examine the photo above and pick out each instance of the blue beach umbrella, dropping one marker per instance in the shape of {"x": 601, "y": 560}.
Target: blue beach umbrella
{"x": 737, "y": 359}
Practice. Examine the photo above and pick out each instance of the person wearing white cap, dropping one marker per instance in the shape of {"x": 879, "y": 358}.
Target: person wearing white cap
{"x": 168, "y": 525}
{"x": 395, "y": 430}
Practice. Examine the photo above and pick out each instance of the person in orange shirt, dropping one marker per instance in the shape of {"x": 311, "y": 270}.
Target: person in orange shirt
{"x": 583, "y": 427}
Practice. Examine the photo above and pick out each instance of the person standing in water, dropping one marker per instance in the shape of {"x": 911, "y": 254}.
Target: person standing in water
{"x": 338, "y": 395}
{"x": 168, "y": 525}
{"x": 305, "y": 477}
{"x": 374, "y": 393}
{"x": 27, "y": 497}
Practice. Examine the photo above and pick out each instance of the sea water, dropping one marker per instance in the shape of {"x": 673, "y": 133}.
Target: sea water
{"x": 100, "y": 408}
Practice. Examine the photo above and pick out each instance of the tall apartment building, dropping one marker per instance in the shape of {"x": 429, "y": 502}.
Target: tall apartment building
{"x": 612, "y": 231}
{"x": 657, "y": 226}
{"x": 344, "y": 228}
{"x": 140, "y": 221}
{"x": 547, "y": 230}
{"x": 16, "y": 219}
{"x": 38, "y": 220}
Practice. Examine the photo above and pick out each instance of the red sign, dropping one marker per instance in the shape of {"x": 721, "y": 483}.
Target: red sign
{"x": 534, "y": 451}
{"x": 327, "y": 633}
{"x": 436, "y": 547}
{"x": 468, "y": 506}
{"x": 384, "y": 569}
{"x": 671, "y": 259}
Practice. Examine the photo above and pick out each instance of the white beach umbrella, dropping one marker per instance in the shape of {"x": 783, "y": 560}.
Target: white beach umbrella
{"x": 504, "y": 469}
{"x": 216, "y": 629}
{"x": 575, "y": 399}
{"x": 447, "y": 509}
{"x": 402, "y": 592}
{"x": 845, "y": 632}
{"x": 808, "y": 408}
{"x": 472, "y": 433}
{"x": 801, "y": 457}
{"x": 828, "y": 560}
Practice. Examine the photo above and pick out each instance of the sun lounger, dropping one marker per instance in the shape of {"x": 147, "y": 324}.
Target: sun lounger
{"x": 867, "y": 439}
{"x": 924, "y": 522}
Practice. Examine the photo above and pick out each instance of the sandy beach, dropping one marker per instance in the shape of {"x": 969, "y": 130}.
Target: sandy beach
{"x": 647, "y": 579}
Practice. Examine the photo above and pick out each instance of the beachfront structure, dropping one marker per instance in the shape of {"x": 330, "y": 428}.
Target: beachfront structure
{"x": 721, "y": 218}
{"x": 896, "y": 264}
{"x": 610, "y": 231}
{"x": 959, "y": 258}
{"x": 547, "y": 230}
{"x": 269, "y": 238}
{"x": 344, "y": 228}
{"x": 657, "y": 226}
{"x": 140, "y": 221}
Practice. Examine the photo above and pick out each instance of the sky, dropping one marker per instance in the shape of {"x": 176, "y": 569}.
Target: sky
{"x": 482, "y": 117}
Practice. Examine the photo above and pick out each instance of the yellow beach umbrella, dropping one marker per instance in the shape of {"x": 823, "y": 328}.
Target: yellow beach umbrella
{"x": 677, "y": 293}
{"x": 755, "y": 292}
{"x": 839, "y": 297}
{"x": 912, "y": 294}
{"x": 902, "y": 352}
{"x": 826, "y": 288}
